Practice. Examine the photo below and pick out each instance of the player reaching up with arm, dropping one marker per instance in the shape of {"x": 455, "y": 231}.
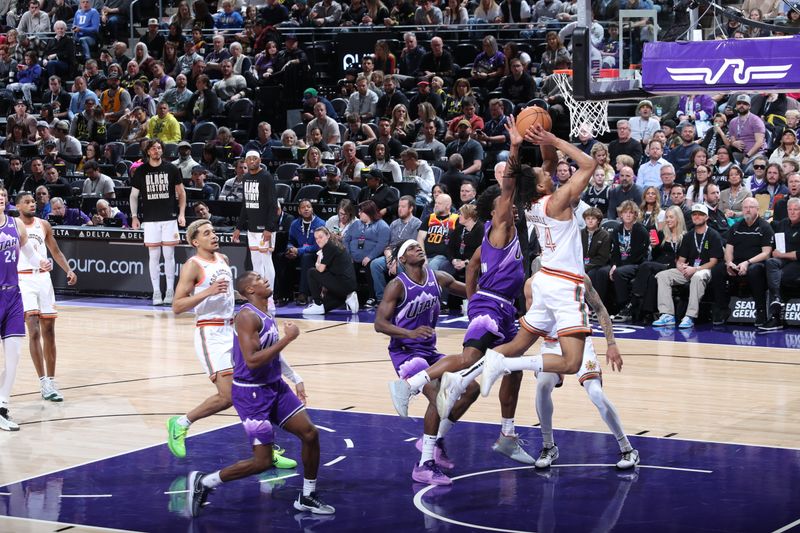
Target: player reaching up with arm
{"x": 263, "y": 400}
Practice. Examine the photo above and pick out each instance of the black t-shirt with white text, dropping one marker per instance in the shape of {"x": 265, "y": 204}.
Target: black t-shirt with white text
{"x": 156, "y": 187}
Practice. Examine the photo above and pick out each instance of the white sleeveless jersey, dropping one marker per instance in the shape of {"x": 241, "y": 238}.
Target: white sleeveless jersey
{"x": 35, "y": 237}
{"x": 219, "y": 306}
{"x": 560, "y": 240}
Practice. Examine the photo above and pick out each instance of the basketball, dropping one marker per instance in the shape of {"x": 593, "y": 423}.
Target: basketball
{"x": 533, "y": 115}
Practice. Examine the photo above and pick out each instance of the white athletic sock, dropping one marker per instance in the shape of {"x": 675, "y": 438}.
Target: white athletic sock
{"x": 12, "y": 346}
{"x": 184, "y": 421}
{"x": 418, "y": 380}
{"x": 309, "y": 486}
{"x": 545, "y": 383}
{"x": 527, "y": 362}
{"x": 444, "y": 427}
{"x": 169, "y": 266}
{"x": 155, "y": 270}
{"x": 212, "y": 480}
{"x": 471, "y": 373}
{"x": 507, "y": 426}
{"x": 608, "y": 412}
{"x": 428, "y": 444}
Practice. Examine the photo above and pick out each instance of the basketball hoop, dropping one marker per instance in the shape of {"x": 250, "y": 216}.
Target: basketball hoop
{"x": 590, "y": 117}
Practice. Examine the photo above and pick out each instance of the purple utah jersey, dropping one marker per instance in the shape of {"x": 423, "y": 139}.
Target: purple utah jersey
{"x": 268, "y": 335}
{"x": 9, "y": 248}
{"x": 502, "y": 272}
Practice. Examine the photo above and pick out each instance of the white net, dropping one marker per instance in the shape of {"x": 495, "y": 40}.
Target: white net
{"x": 583, "y": 116}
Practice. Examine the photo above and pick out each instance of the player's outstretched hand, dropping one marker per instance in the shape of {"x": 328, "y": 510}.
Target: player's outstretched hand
{"x": 422, "y": 332}
{"x": 536, "y": 134}
{"x": 513, "y": 133}
{"x": 291, "y": 331}
{"x": 614, "y": 358}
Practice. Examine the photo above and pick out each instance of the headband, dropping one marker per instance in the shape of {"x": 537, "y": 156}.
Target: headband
{"x": 404, "y": 247}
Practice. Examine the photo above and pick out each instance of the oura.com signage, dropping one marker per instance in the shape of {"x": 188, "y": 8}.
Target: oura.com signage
{"x": 120, "y": 267}
{"x": 743, "y": 311}
{"x": 351, "y": 47}
{"x": 732, "y": 65}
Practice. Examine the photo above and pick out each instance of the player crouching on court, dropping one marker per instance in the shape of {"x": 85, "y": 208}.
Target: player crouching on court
{"x": 262, "y": 399}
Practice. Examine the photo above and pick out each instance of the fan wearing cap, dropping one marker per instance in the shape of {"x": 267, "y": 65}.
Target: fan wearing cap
{"x": 698, "y": 253}
{"x": 69, "y": 148}
{"x": 185, "y": 161}
{"x": 115, "y": 100}
{"x": 311, "y": 98}
{"x": 259, "y": 217}
{"x": 747, "y": 131}
{"x": 159, "y": 185}
{"x": 153, "y": 39}
{"x": 644, "y": 124}
{"x": 424, "y": 94}
{"x": 469, "y": 149}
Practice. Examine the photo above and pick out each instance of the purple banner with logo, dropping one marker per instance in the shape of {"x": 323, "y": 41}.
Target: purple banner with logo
{"x": 732, "y": 65}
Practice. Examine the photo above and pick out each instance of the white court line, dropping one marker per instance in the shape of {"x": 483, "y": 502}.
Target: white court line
{"x": 419, "y": 505}
{"x": 323, "y": 428}
{"x": 787, "y": 527}
{"x": 5, "y": 494}
{"x": 176, "y": 491}
{"x": 348, "y": 443}
{"x": 338, "y": 459}
{"x": 395, "y": 415}
{"x": 83, "y": 527}
{"x": 270, "y": 480}
{"x": 410, "y": 439}
{"x": 116, "y": 455}
{"x": 86, "y": 495}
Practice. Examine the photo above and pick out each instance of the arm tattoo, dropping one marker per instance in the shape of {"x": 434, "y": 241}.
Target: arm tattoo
{"x": 593, "y": 299}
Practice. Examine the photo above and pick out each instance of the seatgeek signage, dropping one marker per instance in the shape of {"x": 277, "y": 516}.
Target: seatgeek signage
{"x": 731, "y": 65}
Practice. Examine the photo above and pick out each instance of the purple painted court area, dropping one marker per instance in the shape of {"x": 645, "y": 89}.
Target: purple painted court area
{"x": 734, "y": 335}
{"x": 680, "y": 485}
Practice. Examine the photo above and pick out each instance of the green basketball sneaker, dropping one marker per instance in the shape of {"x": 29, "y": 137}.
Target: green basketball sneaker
{"x": 176, "y": 435}
{"x": 279, "y": 461}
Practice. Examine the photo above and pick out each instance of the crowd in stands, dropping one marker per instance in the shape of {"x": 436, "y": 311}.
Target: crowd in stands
{"x": 690, "y": 190}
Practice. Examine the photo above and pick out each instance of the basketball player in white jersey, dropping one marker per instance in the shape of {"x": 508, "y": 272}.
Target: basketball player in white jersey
{"x": 38, "y": 296}
{"x": 159, "y": 185}
{"x": 558, "y": 292}
{"x": 206, "y": 285}
{"x": 590, "y": 376}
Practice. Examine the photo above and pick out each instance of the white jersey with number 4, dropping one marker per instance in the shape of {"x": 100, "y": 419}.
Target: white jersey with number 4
{"x": 218, "y": 306}
{"x": 560, "y": 240}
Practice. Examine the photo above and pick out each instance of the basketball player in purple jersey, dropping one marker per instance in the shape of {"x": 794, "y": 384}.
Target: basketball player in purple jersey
{"x": 495, "y": 276}
{"x": 262, "y": 399}
{"x": 13, "y": 241}
{"x": 408, "y": 313}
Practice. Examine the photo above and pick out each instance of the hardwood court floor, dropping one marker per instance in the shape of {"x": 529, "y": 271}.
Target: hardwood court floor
{"x": 124, "y": 371}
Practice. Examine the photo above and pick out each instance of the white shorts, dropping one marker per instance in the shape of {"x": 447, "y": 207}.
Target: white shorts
{"x": 38, "y": 296}
{"x": 214, "y": 346}
{"x": 558, "y": 305}
{"x": 159, "y": 233}
{"x": 256, "y": 243}
{"x": 590, "y": 366}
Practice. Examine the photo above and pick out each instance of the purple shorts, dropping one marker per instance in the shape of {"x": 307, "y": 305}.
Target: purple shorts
{"x": 261, "y": 407}
{"x": 12, "y": 316}
{"x": 409, "y": 362}
{"x": 493, "y": 315}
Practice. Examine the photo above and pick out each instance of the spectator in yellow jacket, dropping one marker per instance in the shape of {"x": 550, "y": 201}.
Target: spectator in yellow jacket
{"x": 163, "y": 125}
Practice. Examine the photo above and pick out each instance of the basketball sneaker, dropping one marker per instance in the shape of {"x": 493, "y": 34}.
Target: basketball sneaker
{"x": 493, "y": 369}
{"x": 450, "y": 390}
{"x": 352, "y": 302}
{"x": 665, "y": 320}
{"x": 199, "y": 492}
{"x": 629, "y": 460}
{"x": 511, "y": 447}
{"x": 279, "y": 461}
{"x": 46, "y": 387}
{"x": 430, "y": 473}
{"x": 440, "y": 456}
{"x": 312, "y": 503}
{"x": 53, "y": 394}
{"x": 547, "y": 456}
{"x": 687, "y": 322}
{"x": 6, "y": 423}
{"x": 176, "y": 437}
{"x": 314, "y": 309}
{"x": 401, "y": 395}
{"x": 169, "y": 297}
{"x": 157, "y": 298}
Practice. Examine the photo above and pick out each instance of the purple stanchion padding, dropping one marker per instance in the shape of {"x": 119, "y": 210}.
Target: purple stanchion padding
{"x": 722, "y": 66}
